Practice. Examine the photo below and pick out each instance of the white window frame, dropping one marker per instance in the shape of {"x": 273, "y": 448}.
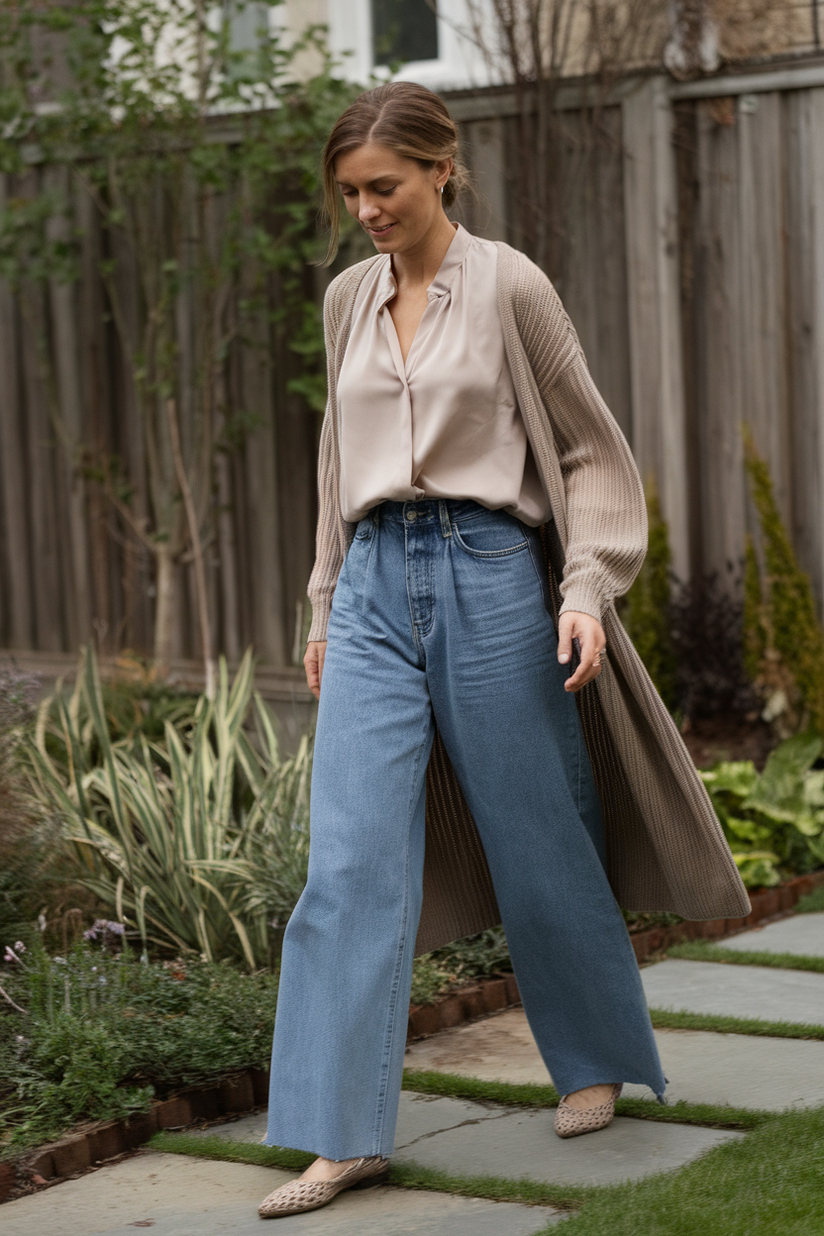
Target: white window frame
{"x": 459, "y": 64}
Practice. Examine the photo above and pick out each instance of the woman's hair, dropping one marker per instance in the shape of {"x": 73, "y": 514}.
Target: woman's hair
{"x": 406, "y": 117}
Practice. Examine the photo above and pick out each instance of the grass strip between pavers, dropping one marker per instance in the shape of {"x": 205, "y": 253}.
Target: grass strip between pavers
{"x": 701, "y": 951}
{"x": 406, "y": 1175}
{"x": 667, "y": 1019}
{"x": 766, "y": 1184}
{"x": 710, "y": 1115}
{"x": 813, "y": 903}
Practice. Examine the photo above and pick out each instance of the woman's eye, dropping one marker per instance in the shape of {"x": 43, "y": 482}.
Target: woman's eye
{"x": 385, "y": 192}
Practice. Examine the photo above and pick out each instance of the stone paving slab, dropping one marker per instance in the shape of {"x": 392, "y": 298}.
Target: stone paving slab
{"x": 803, "y": 934}
{"x": 702, "y": 1067}
{"x": 736, "y": 991}
{"x": 481, "y": 1139}
{"x": 178, "y": 1196}
{"x": 518, "y": 1142}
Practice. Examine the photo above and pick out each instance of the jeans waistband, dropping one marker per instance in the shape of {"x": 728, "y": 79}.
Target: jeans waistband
{"x": 429, "y": 509}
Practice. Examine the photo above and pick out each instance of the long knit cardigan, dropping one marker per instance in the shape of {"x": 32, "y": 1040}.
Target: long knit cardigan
{"x": 665, "y": 848}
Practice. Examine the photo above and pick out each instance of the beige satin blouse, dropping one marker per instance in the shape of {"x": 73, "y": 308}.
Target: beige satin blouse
{"x": 447, "y": 423}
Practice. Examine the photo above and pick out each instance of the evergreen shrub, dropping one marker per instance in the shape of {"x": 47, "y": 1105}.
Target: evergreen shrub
{"x": 645, "y": 611}
{"x": 783, "y": 638}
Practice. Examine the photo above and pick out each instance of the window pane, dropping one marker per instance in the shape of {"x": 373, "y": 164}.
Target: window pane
{"x": 404, "y": 30}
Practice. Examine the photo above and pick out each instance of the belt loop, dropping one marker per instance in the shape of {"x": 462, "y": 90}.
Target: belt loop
{"x": 446, "y": 524}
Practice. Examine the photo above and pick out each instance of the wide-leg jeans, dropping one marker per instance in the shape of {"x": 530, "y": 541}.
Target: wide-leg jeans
{"x": 441, "y": 614}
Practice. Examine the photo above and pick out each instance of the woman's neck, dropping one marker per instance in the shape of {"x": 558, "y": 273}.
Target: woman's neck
{"x": 418, "y": 266}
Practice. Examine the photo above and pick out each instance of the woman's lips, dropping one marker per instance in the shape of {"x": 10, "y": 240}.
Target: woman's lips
{"x": 380, "y": 231}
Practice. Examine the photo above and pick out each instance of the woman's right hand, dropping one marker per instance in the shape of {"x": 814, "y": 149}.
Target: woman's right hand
{"x": 313, "y": 664}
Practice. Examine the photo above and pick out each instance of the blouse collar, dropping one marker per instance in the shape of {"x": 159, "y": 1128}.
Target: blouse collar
{"x": 445, "y": 275}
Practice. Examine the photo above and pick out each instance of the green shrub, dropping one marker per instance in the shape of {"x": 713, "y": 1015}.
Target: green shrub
{"x": 101, "y": 1033}
{"x": 461, "y": 961}
{"x": 783, "y": 639}
{"x": 773, "y": 821}
{"x": 199, "y": 841}
{"x": 428, "y": 980}
{"x": 24, "y": 848}
{"x": 645, "y": 611}
{"x": 475, "y": 956}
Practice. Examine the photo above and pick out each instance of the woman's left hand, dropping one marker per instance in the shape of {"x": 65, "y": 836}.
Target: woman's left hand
{"x": 590, "y": 635}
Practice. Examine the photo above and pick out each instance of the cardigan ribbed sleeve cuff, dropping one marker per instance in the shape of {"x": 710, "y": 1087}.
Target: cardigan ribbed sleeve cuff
{"x": 582, "y": 599}
{"x": 321, "y": 608}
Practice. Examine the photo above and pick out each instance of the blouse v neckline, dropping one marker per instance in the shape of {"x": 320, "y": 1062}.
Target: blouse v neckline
{"x": 441, "y": 285}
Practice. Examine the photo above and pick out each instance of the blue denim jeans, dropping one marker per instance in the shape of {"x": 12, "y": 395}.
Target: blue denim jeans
{"x": 441, "y": 613}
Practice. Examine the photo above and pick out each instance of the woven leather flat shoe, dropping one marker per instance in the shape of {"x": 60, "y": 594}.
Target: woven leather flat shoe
{"x": 299, "y": 1195}
{"x": 570, "y": 1121}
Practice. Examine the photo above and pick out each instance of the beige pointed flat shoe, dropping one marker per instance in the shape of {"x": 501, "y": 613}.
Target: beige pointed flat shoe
{"x": 570, "y": 1121}
{"x": 299, "y": 1195}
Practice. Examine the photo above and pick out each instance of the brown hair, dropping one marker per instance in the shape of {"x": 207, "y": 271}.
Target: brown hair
{"x": 409, "y": 119}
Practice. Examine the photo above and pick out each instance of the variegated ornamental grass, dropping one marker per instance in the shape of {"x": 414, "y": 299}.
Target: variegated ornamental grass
{"x": 199, "y": 841}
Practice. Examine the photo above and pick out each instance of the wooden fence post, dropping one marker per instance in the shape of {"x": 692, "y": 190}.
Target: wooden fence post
{"x": 16, "y": 617}
{"x": 805, "y": 228}
{"x": 656, "y": 360}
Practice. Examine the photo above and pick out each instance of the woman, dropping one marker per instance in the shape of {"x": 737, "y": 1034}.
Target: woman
{"x": 463, "y": 436}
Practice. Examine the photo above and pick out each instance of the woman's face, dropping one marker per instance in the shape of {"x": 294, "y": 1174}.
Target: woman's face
{"x": 395, "y": 200}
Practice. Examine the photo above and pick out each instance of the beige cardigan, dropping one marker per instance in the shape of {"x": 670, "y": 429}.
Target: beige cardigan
{"x": 665, "y": 847}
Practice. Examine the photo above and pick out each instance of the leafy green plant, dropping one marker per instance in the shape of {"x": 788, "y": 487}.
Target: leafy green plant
{"x": 461, "y": 961}
{"x": 199, "y": 841}
{"x": 428, "y": 980}
{"x": 23, "y": 846}
{"x": 95, "y": 1034}
{"x": 783, "y": 638}
{"x": 774, "y": 821}
{"x": 645, "y": 611}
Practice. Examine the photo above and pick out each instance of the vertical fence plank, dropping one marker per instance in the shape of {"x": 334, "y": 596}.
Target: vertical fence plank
{"x": 760, "y": 302}
{"x": 488, "y": 213}
{"x": 805, "y": 249}
{"x": 594, "y": 268}
{"x": 717, "y": 313}
{"x": 93, "y": 344}
{"x": 16, "y": 616}
{"x": 70, "y": 436}
{"x": 41, "y": 479}
{"x": 651, "y": 214}
{"x": 261, "y": 474}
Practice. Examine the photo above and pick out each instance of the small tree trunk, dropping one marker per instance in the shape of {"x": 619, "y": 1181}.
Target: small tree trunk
{"x": 164, "y": 610}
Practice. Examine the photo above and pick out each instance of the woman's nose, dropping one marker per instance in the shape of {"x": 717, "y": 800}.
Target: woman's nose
{"x": 368, "y": 210}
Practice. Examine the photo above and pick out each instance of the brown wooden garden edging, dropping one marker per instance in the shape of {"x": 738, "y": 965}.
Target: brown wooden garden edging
{"x": 244, "y": 1091}
{"x": 232, "y": 1096}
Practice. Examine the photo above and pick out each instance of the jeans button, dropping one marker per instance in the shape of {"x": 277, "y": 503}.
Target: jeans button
{"x": 411, "y": 515}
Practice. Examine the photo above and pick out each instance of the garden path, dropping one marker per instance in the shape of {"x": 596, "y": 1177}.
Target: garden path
{"x": 188, "y": 1196}
{"x": 760, "y": 1072}
{"x": 802, "y": 934}
{"x": 478, "y": 1139}
{"x": 768, "y": 1074}
{"x": 736, "y": 991}
{"x": 178, "y": 1196}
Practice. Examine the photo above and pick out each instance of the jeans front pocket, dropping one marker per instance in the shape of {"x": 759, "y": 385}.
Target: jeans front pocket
{"x": 496, "y": 535}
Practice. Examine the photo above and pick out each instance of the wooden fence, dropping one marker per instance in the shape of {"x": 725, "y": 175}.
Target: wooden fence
{"x": 693, "y": 268}
{"x": 695, "y": 276}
